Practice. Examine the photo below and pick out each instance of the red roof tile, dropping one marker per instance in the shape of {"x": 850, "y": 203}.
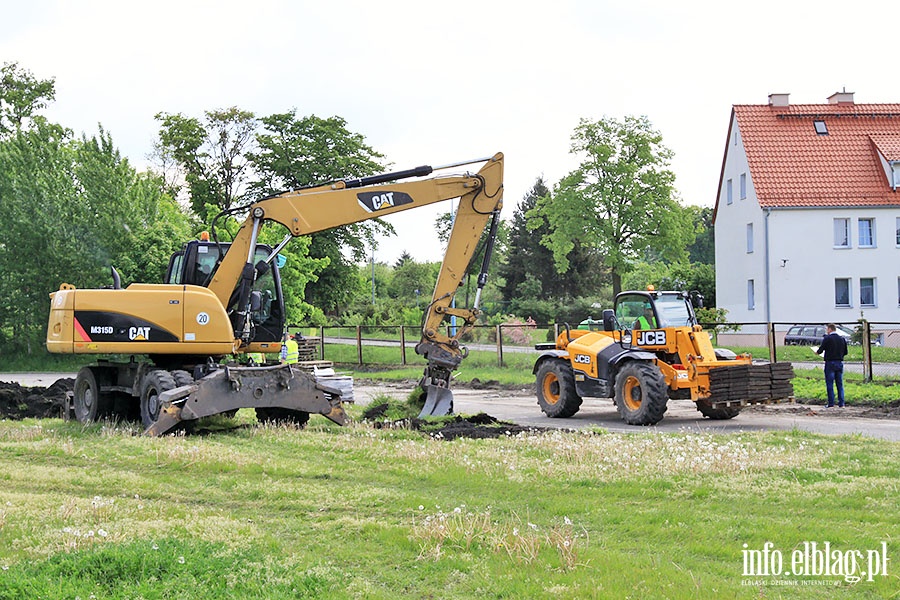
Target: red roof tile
{"x": 792, "y": 166}
{"x": 888, "y": 145}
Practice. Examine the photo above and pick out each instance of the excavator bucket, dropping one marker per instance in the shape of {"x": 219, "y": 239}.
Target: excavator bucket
{"x": 438, "y": 402}
{"x": 232, "y": 388}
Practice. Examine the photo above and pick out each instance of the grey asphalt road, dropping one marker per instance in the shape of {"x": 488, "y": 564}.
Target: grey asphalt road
{"x": 520, "y": 406}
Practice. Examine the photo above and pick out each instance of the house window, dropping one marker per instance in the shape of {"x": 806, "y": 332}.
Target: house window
{"x": 867, "y": 291}
{"x": 898, "y": 291}
{"x": 897, "y": 228}
{"x": 821, "y": 128}
{"x": 751, "y": 295}
{"x": 842, "y": 233}
{"x": 743, "y": 186}
{"x": 842, "y": 292}
{"x": 867, "y": 233}
{"x": 729, "y": 192}
{"x": 749, "y": 238}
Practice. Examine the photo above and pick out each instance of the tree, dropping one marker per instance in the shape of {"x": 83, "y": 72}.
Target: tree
{"x": 619, "y": 201}
{"x": 529, "y": 271}
{"x": 21, "y": 96}
{"x": 72, "y": 209}
{"x": 212, "y": 155}
{"x": 301, "y": 152}
{"x": 703, "y": 249}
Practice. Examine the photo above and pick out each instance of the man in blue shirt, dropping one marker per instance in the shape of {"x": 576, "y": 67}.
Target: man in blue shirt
{"x": 835, "y": 348}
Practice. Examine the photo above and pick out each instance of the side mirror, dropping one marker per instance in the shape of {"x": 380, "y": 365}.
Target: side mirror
{"x": 255, "y": 301}
{"x": 609, "y": 320}
{"x": 697, "y": 299}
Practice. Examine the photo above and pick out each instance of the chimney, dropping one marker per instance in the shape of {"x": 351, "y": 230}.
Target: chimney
{"x": 843, "y": 97}
{"x": 779, "y": 100}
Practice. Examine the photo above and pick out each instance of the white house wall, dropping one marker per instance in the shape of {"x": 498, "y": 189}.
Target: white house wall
{"x": 803, "y": 289}
{"x": 734, "y": 265}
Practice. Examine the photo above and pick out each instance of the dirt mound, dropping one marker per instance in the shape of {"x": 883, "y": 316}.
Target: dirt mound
{"x": 478, "y": 426}
{"x": 17, "y": 402}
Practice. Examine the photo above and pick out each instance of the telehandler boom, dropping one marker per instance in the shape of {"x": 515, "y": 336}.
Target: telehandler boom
{"x": 225, "y": 299}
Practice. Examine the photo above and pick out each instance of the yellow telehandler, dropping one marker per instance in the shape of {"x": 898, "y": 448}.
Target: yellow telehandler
{"x": 651, "y": 348}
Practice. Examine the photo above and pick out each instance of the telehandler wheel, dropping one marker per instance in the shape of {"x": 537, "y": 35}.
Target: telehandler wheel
{"x": 282, "y": 415}
{"x": 155, "y": 383}
{"x": 641, "y": 393}
{"x": 90, "y": 403}
{"x": 556, "y": 389}
{"x": 728, "y": 412}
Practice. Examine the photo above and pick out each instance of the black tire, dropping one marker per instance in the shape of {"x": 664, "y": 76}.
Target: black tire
{"x": 719, "y": 414}
{"x": 182, "y": 378}
{"x": 641, "y": 393}
{"x": 282, "y": 415}
{"x": 556, "y": 393}
{"x": 90, "y": 403}
{"x": 154, "y": 384}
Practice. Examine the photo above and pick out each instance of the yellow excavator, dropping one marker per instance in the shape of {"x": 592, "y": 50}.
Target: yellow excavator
{"x": 221, "y": 300}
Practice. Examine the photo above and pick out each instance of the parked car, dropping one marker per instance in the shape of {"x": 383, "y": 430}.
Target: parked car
{"x": 811, "y": 335}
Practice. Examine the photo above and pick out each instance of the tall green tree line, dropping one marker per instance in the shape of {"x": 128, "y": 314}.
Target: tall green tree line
{"x": 71, "y": 209}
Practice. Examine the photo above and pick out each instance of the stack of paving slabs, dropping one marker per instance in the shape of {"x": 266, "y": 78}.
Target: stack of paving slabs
{"x": 782, "y": 373}
{"x": 751, "y": 383}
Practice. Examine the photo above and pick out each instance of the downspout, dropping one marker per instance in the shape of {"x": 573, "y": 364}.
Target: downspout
{"x": 768, "y": 291}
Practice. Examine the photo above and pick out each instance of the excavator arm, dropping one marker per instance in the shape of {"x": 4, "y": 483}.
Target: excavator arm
{"x": 343, "y": 202}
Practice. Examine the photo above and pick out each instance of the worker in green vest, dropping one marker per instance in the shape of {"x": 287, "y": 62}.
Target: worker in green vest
{"x": 256, "y": 359}
{"x": 646, "y": 320}
{"x": 290, "y": 351}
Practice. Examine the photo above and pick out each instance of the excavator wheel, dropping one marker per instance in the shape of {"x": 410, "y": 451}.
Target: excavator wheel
{"x": 556, "y": 389}
{"x": 154, "y": 384}
{"x": 282, "y": 415}
{"x": 727, "y": 412}
{"x": 90, "y": 403}
{"x": 641, "y": 393}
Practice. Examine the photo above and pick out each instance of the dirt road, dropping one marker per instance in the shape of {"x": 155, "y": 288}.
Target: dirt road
{"x": 520, "y": 406}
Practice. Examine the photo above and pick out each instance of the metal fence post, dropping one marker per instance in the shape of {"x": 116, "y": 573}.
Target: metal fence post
{"x": 359, "y": 345}
{"x": 322, "y": 341}
{"x": 403, "y": 345}
{"x": 770, "y": 336}
{"x": 499, "y": 345}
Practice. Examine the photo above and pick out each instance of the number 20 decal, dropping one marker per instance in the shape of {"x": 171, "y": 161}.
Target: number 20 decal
{"x": 202, "y": 318}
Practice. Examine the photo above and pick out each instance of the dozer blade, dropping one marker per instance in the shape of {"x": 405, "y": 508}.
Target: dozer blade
{"x": 232, "y": 388}
{"x": 438, "y": 402}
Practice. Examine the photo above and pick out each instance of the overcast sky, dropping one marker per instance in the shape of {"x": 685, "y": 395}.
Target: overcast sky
{"x": 438, "y": 82}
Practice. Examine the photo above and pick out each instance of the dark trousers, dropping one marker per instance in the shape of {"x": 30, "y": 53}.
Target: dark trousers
{"x": 834, "y": 376}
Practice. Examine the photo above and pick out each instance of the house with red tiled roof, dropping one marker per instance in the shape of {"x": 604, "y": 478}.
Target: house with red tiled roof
{"x": 807, "y": 218}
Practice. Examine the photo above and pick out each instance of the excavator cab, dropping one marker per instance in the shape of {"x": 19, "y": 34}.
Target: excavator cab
{"x": 195, "y": 264}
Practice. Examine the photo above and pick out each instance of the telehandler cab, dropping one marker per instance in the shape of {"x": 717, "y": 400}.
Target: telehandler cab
{"x": 651, "y": 349}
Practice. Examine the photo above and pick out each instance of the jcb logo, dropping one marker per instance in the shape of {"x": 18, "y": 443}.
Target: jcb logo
{"x": 583, "y": 359}
{"x": 651, "y": 338}
{"x": 139, "y": 333}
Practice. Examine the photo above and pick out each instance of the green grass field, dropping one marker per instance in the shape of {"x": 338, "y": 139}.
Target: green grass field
{"x": 360, "y": 512}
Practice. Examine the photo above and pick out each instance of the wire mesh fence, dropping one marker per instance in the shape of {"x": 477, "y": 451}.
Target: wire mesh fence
{"x": 874, "y": 347}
